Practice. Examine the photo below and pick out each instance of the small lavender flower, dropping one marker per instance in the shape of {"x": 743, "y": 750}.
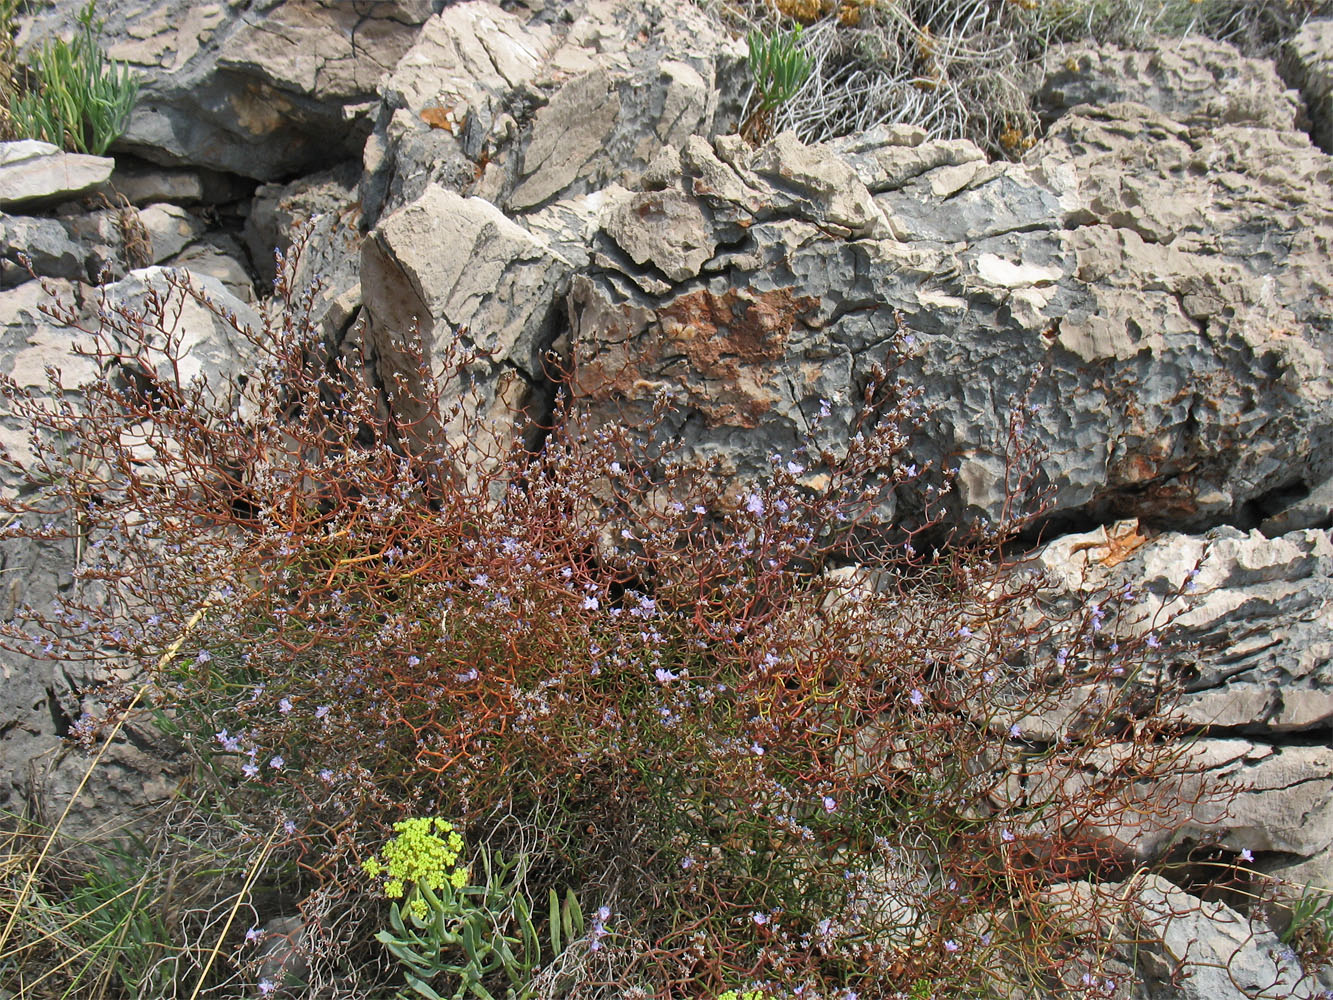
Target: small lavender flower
{"x": 285, "y": 705}
{"x": 951, "y": 946}
{"x": 1015, "y": 731}
{"x": 254, "y": 935}
{"x": 276, "y": 762}
{"x": 830, "y": 803}
{"x": 322, "y": 712}
{"x": 916, "y": 697}
{"x": 1246, "y": 854}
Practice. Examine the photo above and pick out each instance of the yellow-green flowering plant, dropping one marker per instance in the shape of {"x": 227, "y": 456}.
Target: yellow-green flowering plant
{"x": 441, "y": 923}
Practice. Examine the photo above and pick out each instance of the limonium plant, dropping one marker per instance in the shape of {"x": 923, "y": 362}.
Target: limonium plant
{"x": 781, "y": 739}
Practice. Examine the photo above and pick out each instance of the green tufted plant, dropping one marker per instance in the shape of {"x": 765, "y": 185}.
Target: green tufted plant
{"x": 82, "y": 99}
{"x": 780, "y": 67}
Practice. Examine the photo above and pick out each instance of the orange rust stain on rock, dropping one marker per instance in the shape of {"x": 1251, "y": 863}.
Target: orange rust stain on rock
{"x": 734, "y": 327}
{"x": 1122, "y": 540}
{"x": 728, "y": 342}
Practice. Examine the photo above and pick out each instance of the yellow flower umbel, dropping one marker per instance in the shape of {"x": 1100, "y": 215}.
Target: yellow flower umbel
{"x": 422, "y": 852}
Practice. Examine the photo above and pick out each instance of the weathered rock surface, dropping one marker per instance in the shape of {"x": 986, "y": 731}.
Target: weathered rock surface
{"x": 279, "y": 210}
{"x": 451, "y": 266}
{"x": 1198, "y": 950}
{"x": 1194, "y": 80}
{"x": 1307, "y": 64}
{"x": 1173, "y": 285}
{"x": 264, "y": 90}
{"x": 44, "y": 699}
{"x": 1251, "y": 632}
{"x": 34, "y": 174}
{"x": 523, "y": 113}
{"x": 144, "y": 184}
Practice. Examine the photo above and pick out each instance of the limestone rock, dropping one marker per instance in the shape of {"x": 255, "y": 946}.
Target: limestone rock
{"x": 218, "y": 256}
{"x": 144, "y": 184}
{"x": 1307, "y": 64}
{"x": 169, "y": 229}
{"x": 1207, "y": 951}
{"x": 278, "y": 210}
{"x": 264, "y": 90}
{"x": 1251, "y": 633}
{"x": 456, "y": 268}
{"x": 1173, "y": 311}
{"x": 210, "y": 346}
{"x": 1194, "y": 80}
{"x": 526, "y": 113}
{"x": 33, "y": 174}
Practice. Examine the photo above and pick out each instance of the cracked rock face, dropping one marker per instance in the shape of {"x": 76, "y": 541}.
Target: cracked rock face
{"x": 263, "y": 90}
{"x": 527, "y": 113}
{"x": 1307, "y": 64}
{"x": 1173, "y": 285}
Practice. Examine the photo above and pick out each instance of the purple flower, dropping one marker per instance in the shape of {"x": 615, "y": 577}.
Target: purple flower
{"x": 951, "y": 946}
{"x": 288, "y": 827}
{"x": 276, "y": 762}
{"x": 230, "y": 743}
{"x": 203, "y": 657}
{"x": 665, "y": 676}
{"x": 326, "y": 776}
{"x": 1246, "y": 854}
{"x": 1015, "y": 731}
{"x": 322, "y": 711}
{"x": 755, "y": 504}
{"x": 759, "y": 918}
{"x": 830, "y": 803}
{"x": 250, "y": 770}
{"x": 285, "y": 705}
{"x": 414, "y": 661}
{"x": 756, "y": 749}
{"x": 253, "y": 935}
{"x": 591, "y": 603}
{"x": 1153, "y": 641}
{"x": 1007, "y": 836}
{"x": 916, "y": 697}
{"x": 266, "y": 986}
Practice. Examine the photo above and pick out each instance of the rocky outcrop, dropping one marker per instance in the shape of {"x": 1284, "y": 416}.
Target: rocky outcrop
{"x": 1307, "y": 64}
{"x": 1193, "y": 80}
{"x": 1146, "y": 299}
{"x": 265, "y": 90}
{"x": 524, "y": 113}
{"x": 37, "y": 174}
{"x": 1148, "y": 291}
